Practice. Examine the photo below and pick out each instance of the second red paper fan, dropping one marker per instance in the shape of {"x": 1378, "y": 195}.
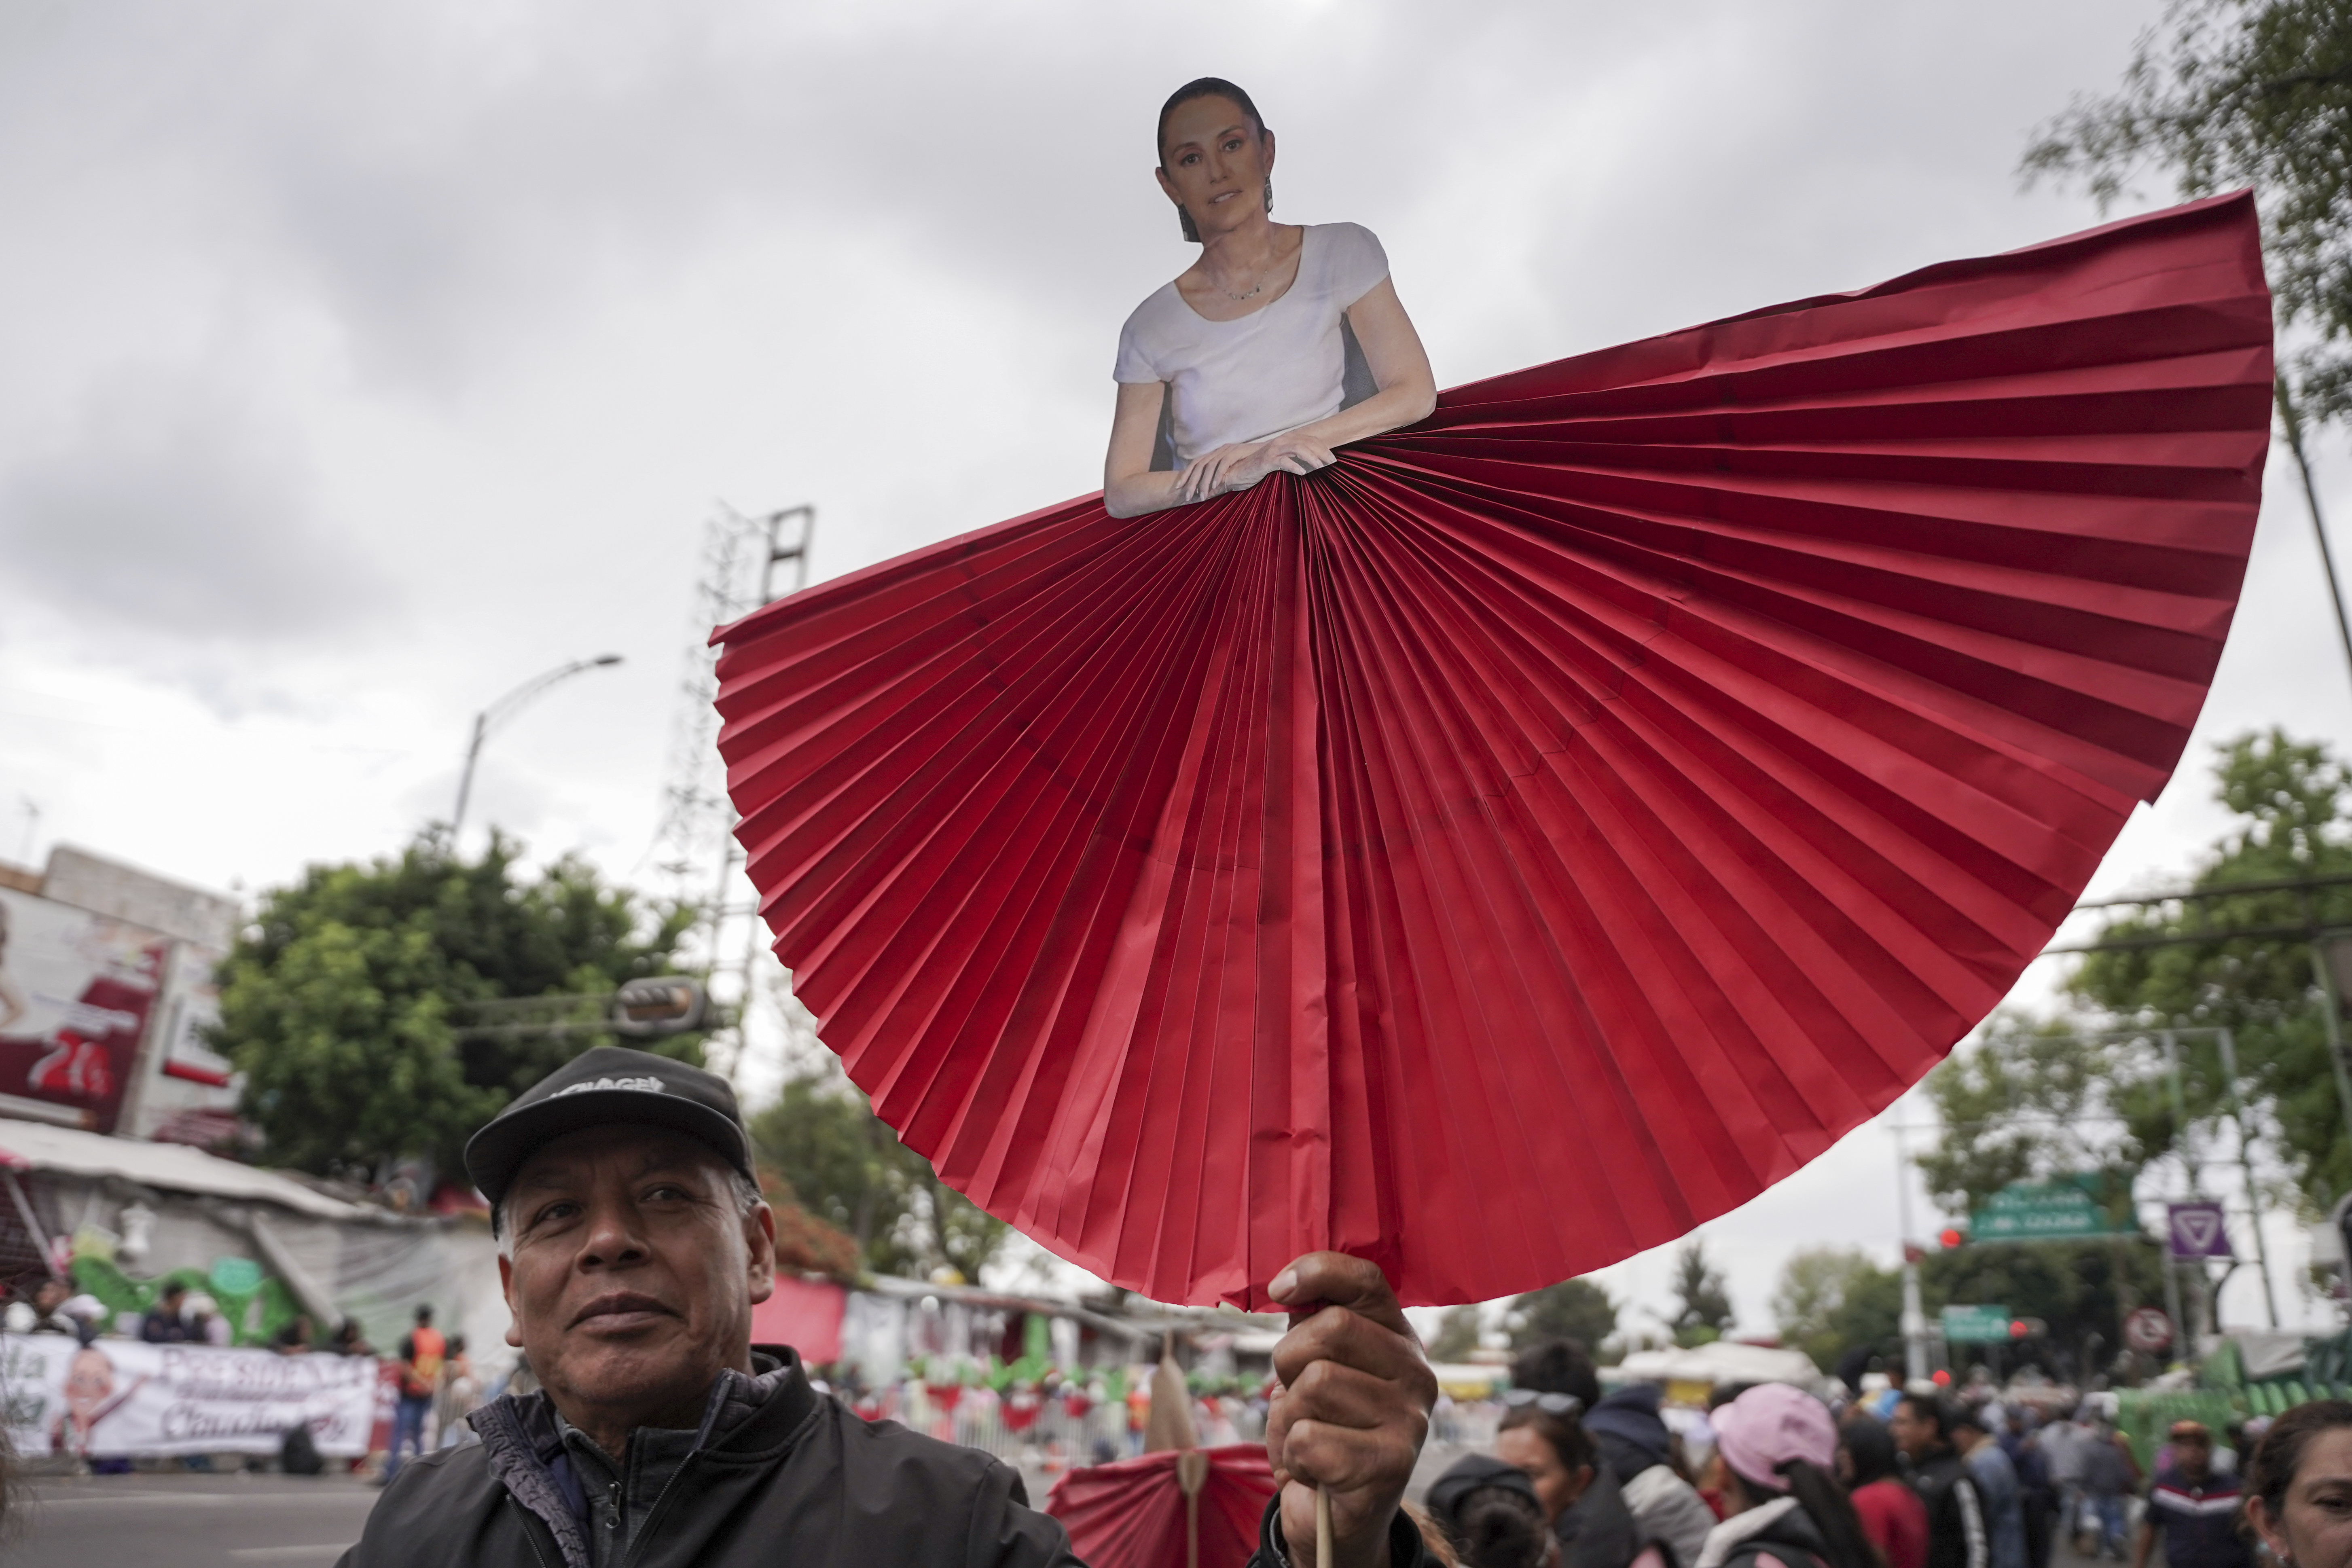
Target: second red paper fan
{"x": 1550, "y": 825}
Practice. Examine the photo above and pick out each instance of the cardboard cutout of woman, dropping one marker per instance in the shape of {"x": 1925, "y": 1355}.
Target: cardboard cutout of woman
{"x": 1620, "y": 776}
{"x": 1281, "y": 342}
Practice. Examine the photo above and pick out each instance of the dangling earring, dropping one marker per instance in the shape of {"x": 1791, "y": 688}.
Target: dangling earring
{"x": 1269, "y": 193}
{"x": 1184, "y": 217}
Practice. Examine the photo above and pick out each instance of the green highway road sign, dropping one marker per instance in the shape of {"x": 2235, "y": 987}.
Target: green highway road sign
{"x": 1976, "y": 1325}
{"x": 2065, "y": 1208}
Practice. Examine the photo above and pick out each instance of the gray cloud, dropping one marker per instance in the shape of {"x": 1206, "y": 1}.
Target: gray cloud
{"x": 171, "y": 513}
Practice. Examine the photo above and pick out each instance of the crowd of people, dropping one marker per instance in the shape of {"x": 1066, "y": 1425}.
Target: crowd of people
{"x": 1583, "y": 1479}
{"x": 1577, "y": 1477}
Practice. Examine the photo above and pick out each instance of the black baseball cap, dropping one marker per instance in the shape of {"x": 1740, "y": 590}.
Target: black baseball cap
{"x": 609, "y": 1086}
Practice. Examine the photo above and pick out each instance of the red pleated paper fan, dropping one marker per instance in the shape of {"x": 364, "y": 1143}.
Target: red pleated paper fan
{"x": 1130, "y": 1513}
{"x": 1547, "y": 828}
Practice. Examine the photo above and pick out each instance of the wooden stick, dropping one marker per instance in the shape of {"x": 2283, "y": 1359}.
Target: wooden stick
{"x": 1322, "y": 1528}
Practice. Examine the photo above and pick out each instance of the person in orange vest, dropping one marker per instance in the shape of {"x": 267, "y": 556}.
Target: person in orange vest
{"x": 422, "y": 1353}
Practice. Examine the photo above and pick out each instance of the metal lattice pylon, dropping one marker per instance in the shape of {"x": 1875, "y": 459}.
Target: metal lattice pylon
{"x": 694, "y": 848}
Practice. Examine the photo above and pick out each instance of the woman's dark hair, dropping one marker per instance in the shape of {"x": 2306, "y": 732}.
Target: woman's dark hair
{"x": 1844, "y": 1543}
{"x": 2279, "y": 1454}
{"x": 1569, "y": 1442}
{"x": 1495, "y": 1528}
{"x": 1203, "y": 86}
{"x": 1937, "y": 1412}
{"x": 1723, "y": 1393}
{"x": 1558, "y": 1366}
{"x": 1871, "y": 1445}
{"x": 1206, "y": 87}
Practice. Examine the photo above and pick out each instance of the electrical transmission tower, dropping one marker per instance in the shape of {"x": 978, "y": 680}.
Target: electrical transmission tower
{"x": 694, "y": 846}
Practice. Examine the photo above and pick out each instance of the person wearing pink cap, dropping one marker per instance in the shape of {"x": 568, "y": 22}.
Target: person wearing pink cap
{"x": 1775, "y": 1457}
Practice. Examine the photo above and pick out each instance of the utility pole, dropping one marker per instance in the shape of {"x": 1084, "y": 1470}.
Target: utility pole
{"x": 1915, "y": 1320}
{"x": 2294, "y": 422}
{"x": 2196, "y": 1189}
{"x": 2229, "y": 1047}
{"x": 2331, "y": 1013}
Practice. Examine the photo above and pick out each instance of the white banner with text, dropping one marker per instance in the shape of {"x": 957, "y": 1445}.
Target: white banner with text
{"x": 116, "y": 1397}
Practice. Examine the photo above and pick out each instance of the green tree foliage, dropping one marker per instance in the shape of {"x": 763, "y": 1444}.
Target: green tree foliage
{"x": 2027, "y": 1103}
{"x": 2228, "y": 93}
{"x": 2291, "y": 800}
{"x": 343, "y": 1002}
{"x": 838, "y": 1159}
{"x": 1572, "y": 1310}
{"x": 1457, "y": 1334}
{"x": 1704, "y": 1313}
{"x": 2023, "y": 1103}
{"x": 1833, "y": 1299}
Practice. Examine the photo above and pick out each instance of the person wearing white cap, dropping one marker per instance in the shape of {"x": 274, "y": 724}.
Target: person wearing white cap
{"x": 1775, "y": 1458}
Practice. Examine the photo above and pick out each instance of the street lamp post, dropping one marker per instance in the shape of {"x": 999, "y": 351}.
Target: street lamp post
{"x": 506, "y": 707}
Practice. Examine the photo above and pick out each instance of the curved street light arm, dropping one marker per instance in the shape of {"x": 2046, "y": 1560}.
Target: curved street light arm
{"x": 506, "y": 707}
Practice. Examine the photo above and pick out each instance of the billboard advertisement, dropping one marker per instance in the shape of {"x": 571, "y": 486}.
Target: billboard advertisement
{"x": 195, "y": 1008}
{"x": 75, "y": 990}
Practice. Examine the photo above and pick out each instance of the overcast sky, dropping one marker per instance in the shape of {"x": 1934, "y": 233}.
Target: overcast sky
{"x": 358, "y": 362}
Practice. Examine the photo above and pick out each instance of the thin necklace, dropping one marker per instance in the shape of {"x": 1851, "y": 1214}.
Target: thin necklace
{"x": 1259, "y": 289}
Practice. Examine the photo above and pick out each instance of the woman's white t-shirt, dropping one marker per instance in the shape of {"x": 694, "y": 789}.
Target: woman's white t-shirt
{"x": 1270, "y": 371}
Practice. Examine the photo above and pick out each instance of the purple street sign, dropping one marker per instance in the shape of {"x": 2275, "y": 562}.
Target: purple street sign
{"x": 2196, "y": 1230}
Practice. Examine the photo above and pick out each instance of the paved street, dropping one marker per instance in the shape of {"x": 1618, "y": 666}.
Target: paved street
{"x": 282, "y": 1521}
{"x": 188, "y": 1521}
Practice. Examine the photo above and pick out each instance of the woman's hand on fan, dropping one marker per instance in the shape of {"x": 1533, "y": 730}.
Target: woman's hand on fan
{"x": 1215, "y": 472}
{"x": 1351, "y": 1408}
{"x": 1293, "y": 452}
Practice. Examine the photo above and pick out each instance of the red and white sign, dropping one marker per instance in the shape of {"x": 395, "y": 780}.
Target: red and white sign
{"x": 75, "y": 990}
{"x": 2148, "y": 1330}
{"x": 195, "y": 1008}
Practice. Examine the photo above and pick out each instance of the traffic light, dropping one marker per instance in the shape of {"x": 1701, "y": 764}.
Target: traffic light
{"x": 2016, "y": 1329}
{"x": 1951, "y": 1235}
{"x": 1941, "y": 1378}
{"x": 660, "y": 1005}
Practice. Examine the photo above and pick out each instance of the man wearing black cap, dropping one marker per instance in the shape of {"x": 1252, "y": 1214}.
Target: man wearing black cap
{"x": 633, "y": 1246}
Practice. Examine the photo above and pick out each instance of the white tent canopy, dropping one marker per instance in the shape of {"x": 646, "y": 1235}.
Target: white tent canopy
{"x": 174, "y": 1167}
{"x": 1724, "y": 1362}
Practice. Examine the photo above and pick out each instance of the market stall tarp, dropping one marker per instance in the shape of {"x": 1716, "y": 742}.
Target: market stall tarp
{"x": 804, "y": 1314}
{"x": 114, "y": 1398}
{"x": 172, "y": 1166}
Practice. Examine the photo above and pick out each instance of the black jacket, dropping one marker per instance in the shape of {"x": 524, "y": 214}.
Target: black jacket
{"x": 1956, "y": 1520}
{"x": 781, "y": 1474}
{"x": 1597, "y": 1529}
{"x": 1779, "y": 1534}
